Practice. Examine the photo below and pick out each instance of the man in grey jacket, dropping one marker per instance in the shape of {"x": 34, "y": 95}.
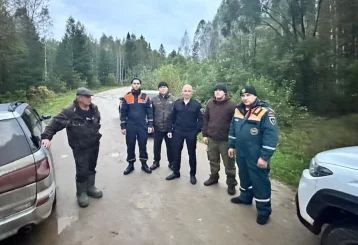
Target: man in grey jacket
{"x": 162, "y": 108}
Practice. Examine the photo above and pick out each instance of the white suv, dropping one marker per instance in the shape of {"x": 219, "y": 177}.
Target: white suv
{"x": 328, "y": 195}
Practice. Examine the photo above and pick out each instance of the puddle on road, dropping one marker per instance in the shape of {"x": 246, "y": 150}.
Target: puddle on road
{"x": 63, "y": 222}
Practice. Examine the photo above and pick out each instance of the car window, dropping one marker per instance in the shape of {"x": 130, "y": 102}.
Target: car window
{"x": 33, "y": 123}
{"x": 13, "y": 142}
{"x": 152, "y": 95}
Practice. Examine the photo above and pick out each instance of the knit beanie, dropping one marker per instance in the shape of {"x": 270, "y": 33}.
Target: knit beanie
{"x": 220, "y": 86}
{"x": 162, "y": 83}
{"x": 248, "y": 89}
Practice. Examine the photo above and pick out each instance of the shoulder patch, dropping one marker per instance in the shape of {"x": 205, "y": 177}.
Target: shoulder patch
{"x": 271, "y": 113}
{"x": 272, "y": 120}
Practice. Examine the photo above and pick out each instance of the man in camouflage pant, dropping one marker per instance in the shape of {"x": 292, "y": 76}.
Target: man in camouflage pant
{"x": 217, "y": 117}
{"x": 82, "y": 122}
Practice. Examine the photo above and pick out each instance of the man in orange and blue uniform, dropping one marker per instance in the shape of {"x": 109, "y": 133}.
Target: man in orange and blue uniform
{"x": 254, "y": 135}
{"x": 136, "y": 123}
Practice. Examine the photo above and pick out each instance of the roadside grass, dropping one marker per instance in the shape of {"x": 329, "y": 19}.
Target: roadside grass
{"x": 54, "y": 105}
{"x": 305, "y": 139}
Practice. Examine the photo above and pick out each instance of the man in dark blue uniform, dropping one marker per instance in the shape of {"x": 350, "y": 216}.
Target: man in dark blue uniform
{"x": 136, "y": 123}
{"x": 254, "y": 136}
{"x": 187, "y": 121}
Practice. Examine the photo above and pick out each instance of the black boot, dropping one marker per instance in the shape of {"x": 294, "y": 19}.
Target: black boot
{"x": 82, "y": 198}
{"x": 92, "y": 190}
{"x": 129, "y": 169}
{"x": 262, "y": 219}
{"x": 213, "y": 179}
{"x": 231, "y": 190}
{"x": 238, "y": 200}
{"x": 155, "y": 165}
{"x": 192, "y": 179}
{"x": 173, "y": 176}
{"x": 145, "y": 167}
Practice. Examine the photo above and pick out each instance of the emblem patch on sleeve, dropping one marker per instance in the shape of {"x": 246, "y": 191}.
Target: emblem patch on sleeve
{"x": 272, "y": 120}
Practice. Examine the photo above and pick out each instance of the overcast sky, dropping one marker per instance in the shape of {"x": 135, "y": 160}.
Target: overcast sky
{"x": 159, "y": 21}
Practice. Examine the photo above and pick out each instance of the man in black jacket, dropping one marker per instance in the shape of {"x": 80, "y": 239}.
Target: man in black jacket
{"x": 187, "y": 121}
{"x": 82, "y": 122}
{"x": 136, "y": 110}
{"x": 162, "y": 108}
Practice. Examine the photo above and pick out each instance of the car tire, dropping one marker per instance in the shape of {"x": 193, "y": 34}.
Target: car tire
{"x": 54, "y": 200}
{"x": 340, "y": 234}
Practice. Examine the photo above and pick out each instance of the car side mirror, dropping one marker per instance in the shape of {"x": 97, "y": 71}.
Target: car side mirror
{"x": 45, "y": 117}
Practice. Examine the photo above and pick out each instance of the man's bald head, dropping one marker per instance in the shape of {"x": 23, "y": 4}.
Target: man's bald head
{"x": 187, "y": 91}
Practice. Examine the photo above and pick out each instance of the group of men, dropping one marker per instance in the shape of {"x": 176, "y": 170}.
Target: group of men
{"x": 247, "y": 132}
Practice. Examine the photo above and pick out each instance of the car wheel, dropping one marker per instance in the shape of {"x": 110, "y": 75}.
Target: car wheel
{"x": 340, "y": 235}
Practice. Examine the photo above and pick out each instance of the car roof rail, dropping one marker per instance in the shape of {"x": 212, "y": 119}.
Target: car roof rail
{"x": 13, "y": 105}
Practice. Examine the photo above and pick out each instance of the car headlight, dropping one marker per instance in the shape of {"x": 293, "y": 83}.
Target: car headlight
{"x": 317, "y": 170}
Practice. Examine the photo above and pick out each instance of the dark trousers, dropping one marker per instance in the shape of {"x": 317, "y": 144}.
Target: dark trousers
{"x": 178, "y": 143}
{"x": 136, "y": 132}
{"x": 158, "y": 139}
{"x": 86, "y": 162}
{"x": 255, "y": 184}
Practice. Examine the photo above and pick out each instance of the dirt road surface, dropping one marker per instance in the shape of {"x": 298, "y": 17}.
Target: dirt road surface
{"x": 146, "y": 209}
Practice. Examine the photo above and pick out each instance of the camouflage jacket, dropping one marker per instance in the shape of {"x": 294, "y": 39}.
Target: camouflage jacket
{"x": 162, "y": 108}
{"x": 81, "y": 132}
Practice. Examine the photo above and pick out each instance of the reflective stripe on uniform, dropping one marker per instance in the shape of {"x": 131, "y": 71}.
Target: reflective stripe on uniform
{"x": 232, "y": 137}
{"x": 250, "y": 187}
{"x": 268, "y": 147}
{"x": 262, "y": 200}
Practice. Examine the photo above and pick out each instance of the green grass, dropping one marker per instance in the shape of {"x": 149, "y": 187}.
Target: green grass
{"x": 54, "y": 105}
{"x": 307, "y": 138}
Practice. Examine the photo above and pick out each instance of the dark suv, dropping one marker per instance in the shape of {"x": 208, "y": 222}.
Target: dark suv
{"x": 27, "y": 179}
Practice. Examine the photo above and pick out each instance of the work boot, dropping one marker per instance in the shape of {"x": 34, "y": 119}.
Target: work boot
{"x": 262, "y": 219}
{"x": 211, "y": 181}
{"x": 82, "y": 198}
{"x": 173, "y": 176}
{"x": 145, "y": 167}
{"x": 237, "y": 200}
{"x": 231, "y": 190}
{"x": 155, "y": 165}
{"x": 92, "y": 190}
{"x": 129, "y": 169}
